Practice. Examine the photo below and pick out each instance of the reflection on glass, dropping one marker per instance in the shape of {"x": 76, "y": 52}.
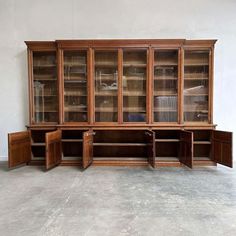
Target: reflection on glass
{"x": 75, "y": 86}
{"x": 45, "y": 87}
{"x": 165, "y": 86}
{"x": 134, "y": 86}
{"x": 106, "y": 86}
{"x": 196, "y": 73}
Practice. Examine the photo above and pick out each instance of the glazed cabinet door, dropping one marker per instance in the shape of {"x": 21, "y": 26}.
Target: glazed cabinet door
{"x": 222, "y": 147}
{"x": 19, "y": 148}
{"x": 134, "y": 83}
{"x": 196, "y": 85}
{"x": 186, "y": 148}
{"x": 165, "y": 89}
{"x": 53, "y": 149}
{"x": 75, "y": 85}
{"x": 44, "y": 87}
{"x": 106, "y": 85}
{"x": 151, "y": 147}
{"x": 87, "y": 149}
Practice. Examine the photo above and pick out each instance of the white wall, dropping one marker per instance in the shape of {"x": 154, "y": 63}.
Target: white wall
{"x": 68, "y": 19}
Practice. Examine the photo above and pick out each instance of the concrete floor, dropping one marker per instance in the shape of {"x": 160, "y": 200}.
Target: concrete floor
{"x": 117, "y": 201}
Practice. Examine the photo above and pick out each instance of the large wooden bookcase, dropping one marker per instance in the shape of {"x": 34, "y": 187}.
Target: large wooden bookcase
{"x": 121, "y": 102}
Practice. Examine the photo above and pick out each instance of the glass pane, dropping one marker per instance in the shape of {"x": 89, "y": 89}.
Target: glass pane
{"x": 196, "y": 74}
{"x": 134, "y": 86}
{"x": 165, "y": 86}
{"x": 106, "y": 86}
{"x": 45, "y": 87}
{"x": 75, "y": 86}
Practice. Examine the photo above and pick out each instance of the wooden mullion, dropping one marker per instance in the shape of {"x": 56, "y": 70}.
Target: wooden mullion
{"x": 150, "y": 85}
{"x": 181, "y": 86}
{"x": 210, "y": 86}
{"x": 60, "y": 77}
{"x": 30, "y": 86}
{"x": 120, "y": 86}
{"x": 91, "y": 86}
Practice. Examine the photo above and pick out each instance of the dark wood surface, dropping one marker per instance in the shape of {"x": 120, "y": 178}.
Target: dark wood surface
{"x": 222, "y": 145}
{"x": 19, "y": 151}
{"x": 186, "y": 148}
{"x": 53, "y": 149}
{"x": 87, "y": 149}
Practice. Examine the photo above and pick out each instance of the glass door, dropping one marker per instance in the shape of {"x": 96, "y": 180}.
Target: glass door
{"x": 75, "y": 86}
{"x": 45, "y": 98}
{"x": 196, "y": 81}
{"x": 165, "y": 102}
{"x": 134, "y": 85}
{"x": 106, "y": 86}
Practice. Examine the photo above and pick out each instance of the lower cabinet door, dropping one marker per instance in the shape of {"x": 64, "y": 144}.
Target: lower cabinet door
{"x": 19, "y": 148}
{"x": 222, "y": 147}
{"x": 53, "y": 149}
{"x": 151, "y": 147}
{"x": 87, "y": 149}
{"x": 186, "y": 148}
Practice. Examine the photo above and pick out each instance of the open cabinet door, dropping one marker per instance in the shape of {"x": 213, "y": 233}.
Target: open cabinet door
{"x": 186, "y": 148}
{"x": 19, "y": 148}
{"x": 151, "y": 147}
{"x": 87, "y": 149}
{"x": 53, "y": 149}
{"x": 222, "y": 147}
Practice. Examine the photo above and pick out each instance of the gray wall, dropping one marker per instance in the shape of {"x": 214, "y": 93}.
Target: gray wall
{"x": 68, "y": 19}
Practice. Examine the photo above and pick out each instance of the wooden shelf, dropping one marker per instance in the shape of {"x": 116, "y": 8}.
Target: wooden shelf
{"x": 106, "y": 109}
{"x": 166, "y": 159}
{"x": 166, "y": 109}
{"x": 74, "y": 64}
{"x": 165, "y": 93}
{"x": 202, "y": 142}
{"x": 196, "y": 95}
{"x": 134, "y": 65}
{"x": 167, "y": 140}
{"x": 38, "y": 144}
{"x": 164, "y": 78}
{"x": 44, "y": 66}
{"x": 134, "y": 109}
{"x": 75, "y": 81}
{"x": 121, "y": 144}
{"x": 165, "y": 64}
{"x": 201, "y": 158}
{"x": 134, "y": 94}
{"x": 65, "y": 140}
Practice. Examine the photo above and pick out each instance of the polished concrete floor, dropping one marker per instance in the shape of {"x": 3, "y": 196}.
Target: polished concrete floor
{"x": 117, "y": 201}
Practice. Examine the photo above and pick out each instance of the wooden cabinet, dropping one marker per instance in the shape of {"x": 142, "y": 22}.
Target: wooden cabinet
{"x": 121, "y": 102}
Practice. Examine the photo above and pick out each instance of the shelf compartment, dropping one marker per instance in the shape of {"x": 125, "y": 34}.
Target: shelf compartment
{"x": 167, "y": 134}
{"x": 166, "y": 159}
{"x": 38, "y": 136}
{"x": 38, "y": 152}
{"x": 202, "y": 150}
{"x": 72, "y": 134}
{"x": 202, "y": 142}
{"x": 72, "y": 149}
{"x": 120, "y": 151}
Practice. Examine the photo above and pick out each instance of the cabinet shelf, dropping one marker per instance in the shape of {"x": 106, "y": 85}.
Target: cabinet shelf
{"x": 165, "y": 93}
{"x": 106, "y": 109}
{"x": 165, "y": 63}
{"x": 165, "y": 109}
{"x": 167, "y": 140}
{"x": 166, "y": 159}
{"x": 38, "y": 144}
{"x": 121, "y": 144}
{"x": 163, "y": 78}
{"x": 71, "y": 140}
{"x": 44, "y": 66}
{"x": 135, "y": 64}
{"x": 74, "y": 64}
{"x": 202, "y": 142}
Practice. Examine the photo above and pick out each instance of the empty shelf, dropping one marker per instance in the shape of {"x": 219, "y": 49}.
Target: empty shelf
{"x": 167, "y": 140}
{"x": 120, "y": 144}
{"x": 38, "y": 144}
{"x": 72, "y": 140}
{"x": 202, "y": 142}
{"x": 202, "y": 159}
{"x": 167, "y": 159}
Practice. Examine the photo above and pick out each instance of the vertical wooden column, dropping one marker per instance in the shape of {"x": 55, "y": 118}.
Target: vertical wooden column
{"x": 180, "y": 86}
{"x": 120, "y": 86}
{"x": 210, "y": 85}
{"x": 30, "y": 86}
{"x": 150, "y": 85}
{"x": 91, "y": 84}
{"x": 60, "y": 76}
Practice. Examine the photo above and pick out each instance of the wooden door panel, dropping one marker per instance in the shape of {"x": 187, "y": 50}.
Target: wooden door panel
{"x": 222, "y": 147}
{"x": 186, "y": 148}
{"x": 150, "y": 136}
{"x": 53, "y": 149}
{"x": 19, "y": 148}
{"x": 87, "y": 149}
